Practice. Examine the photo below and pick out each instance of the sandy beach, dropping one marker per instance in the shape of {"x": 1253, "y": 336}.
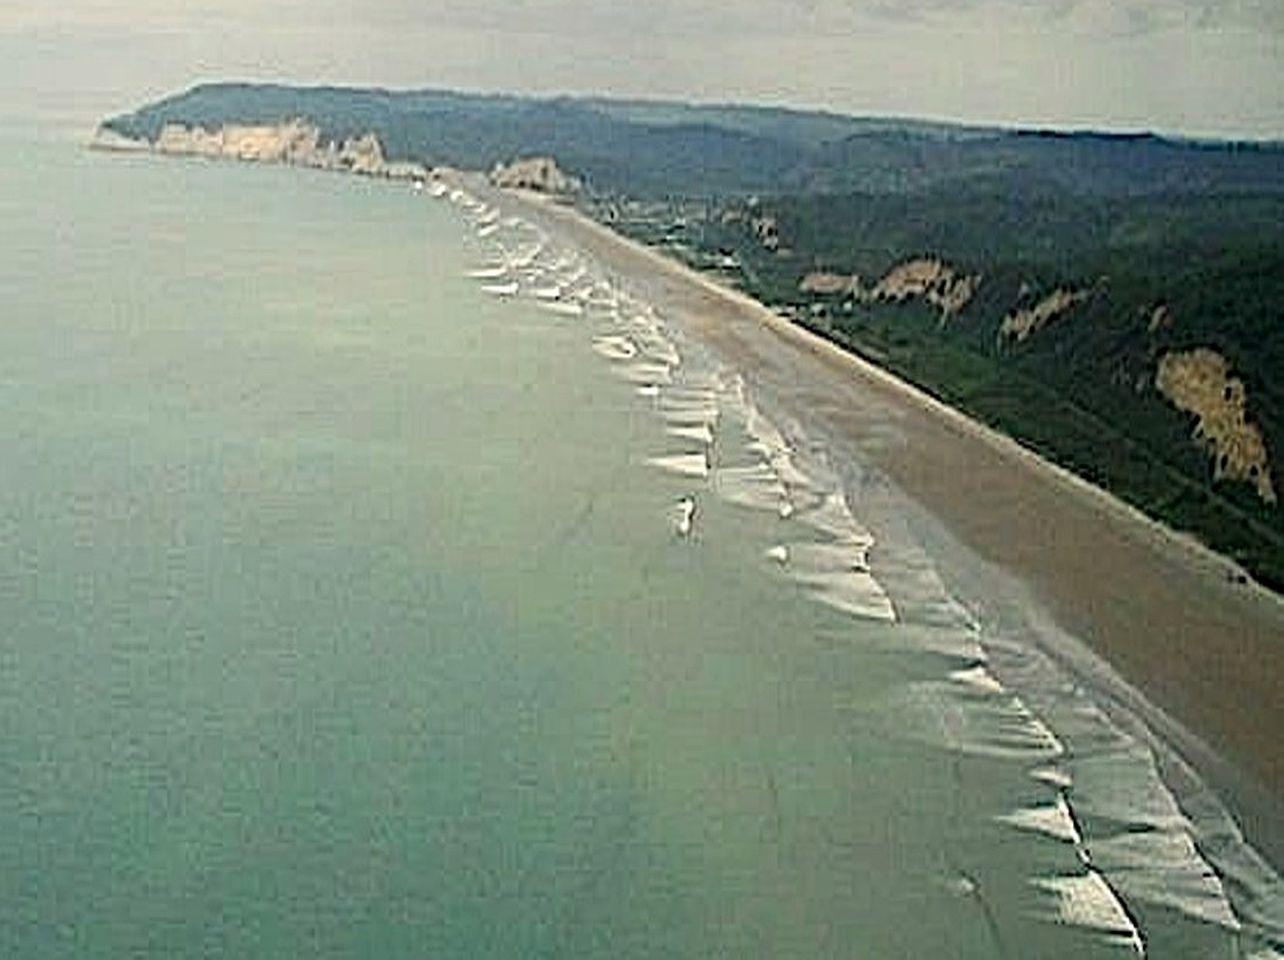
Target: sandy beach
{"x": 1167, "y": 615}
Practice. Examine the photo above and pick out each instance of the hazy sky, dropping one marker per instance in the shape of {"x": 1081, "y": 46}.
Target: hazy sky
{"x": 1205, "y": 67}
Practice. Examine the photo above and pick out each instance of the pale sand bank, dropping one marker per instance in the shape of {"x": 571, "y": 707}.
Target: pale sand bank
{"x": 1164, "y": 611}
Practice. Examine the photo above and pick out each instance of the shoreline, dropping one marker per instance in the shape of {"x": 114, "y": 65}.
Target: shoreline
{"x": 1166, "y": 631}
{"x": 1121, "y": 587}
{"x": 1042, "y": 558}
{"x": 1124, "y": 588}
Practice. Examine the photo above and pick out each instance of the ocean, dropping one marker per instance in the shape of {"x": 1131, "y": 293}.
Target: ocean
{"x": 379, "y": 576}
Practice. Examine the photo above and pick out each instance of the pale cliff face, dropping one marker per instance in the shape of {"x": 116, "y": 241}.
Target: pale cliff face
{"x": 930, "y": 280}
{"x": 828, "y": 284}
{"x": 534, "y": 173}
{"x": 1020, "y": 324}
{"x": 1199, "y": 382}
{"x": 269, "y": 144}
{"x": 295, "y": 142}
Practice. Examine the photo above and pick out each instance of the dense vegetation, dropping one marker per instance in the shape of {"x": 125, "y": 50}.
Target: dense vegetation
{"x": 1132, "y": 224}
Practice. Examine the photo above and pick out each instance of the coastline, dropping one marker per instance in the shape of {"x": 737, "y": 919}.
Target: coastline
{"x": 988, "y": 517}
{"x": 1156, "y": 608}
{"x": 1164, "y": 625}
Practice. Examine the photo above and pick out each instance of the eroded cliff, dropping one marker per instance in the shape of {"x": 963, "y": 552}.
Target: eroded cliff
{"x": 295, "y": 142}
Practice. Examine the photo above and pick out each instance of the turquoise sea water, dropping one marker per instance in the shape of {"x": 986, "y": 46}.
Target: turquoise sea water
{"x": 344, "y": 612}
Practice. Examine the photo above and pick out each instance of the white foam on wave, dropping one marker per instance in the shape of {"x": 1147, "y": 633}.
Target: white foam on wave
{"x": 756, "y": 487}
{"x": 688, "y": 413}
{"x": 500, "y": 289}
{"x": 1087, "y": 900}
{"x": 833, "y": 517}
{"x": 770, "y": 444}
{"x": 487, "y": 273}
{"x": 978, "y": 678}
{"x": 1053, "y": 820}
{"x": 488, "y": 230}
{"x": 732, "y": 390}
{"x": 644, "y": 373}
{"x": 598, "y": 305}
{"x": 650, "y": 391}
{"x": 791, "y": 475}
{"x": 768, "y": 440}
{"x": 615, "y": 347}
{"x": 850, "y": 591}
{"x": 686, "y": 393}
{"x": 646, "y": 326}
{"x": 660, "y": 349}
{"x": 526, "y": 257}
{"x": 1053, "y": 777}
{"x": 562, "y": 308}
{"x": 922, "y": 592}
{"x": 844, "y": 555}
{"x": 837, "y": 575}
{"x": 699, "y": 433}
{"x": 683, "y": 464}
